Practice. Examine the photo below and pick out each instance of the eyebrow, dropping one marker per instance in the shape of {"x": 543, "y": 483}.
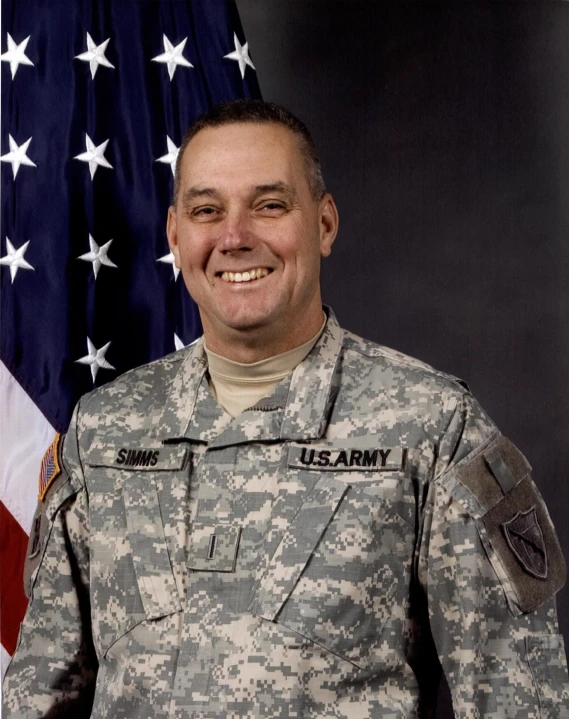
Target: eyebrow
{"x": 281, "y": 187}
{"x": 193, "y": 193}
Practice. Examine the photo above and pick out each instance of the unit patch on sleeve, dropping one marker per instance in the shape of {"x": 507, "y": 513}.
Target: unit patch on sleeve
{"x": 517, "y": 531}
{"x": 50, "y": 468}
{"x": 525, "y": 539}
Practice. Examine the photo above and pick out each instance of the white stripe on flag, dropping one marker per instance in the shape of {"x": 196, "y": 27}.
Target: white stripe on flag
{"x": 25, "y": 435}
{"x": 4, "y": 661}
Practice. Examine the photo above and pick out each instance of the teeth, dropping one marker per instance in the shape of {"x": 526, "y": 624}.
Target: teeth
{"x": 245, "y": 276}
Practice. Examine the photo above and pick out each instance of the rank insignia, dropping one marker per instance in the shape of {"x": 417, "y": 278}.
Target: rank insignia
{"x": 50, "y": 468}
{"x": 525, "y": 539}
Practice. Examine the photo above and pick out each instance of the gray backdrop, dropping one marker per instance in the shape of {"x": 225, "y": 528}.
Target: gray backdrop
{"x": 443, "y": 130}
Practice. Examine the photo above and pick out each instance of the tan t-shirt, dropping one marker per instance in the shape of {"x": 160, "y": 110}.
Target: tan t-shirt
{"x": 237, "y": 386}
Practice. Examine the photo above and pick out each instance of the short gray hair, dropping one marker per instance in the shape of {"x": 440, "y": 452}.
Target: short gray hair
{"x": 257, "y": 112}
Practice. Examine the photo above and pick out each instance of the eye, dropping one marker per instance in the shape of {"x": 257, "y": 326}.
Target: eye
{"x": 203, "y": 213}
{"x": 272, "y": 207}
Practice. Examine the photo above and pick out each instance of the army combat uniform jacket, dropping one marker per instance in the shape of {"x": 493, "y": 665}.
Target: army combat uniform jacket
{"x": 321, "y": 555}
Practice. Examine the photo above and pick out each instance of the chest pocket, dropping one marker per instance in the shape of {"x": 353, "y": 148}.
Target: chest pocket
{"x": 341, "y": 567}
{"x": 131, "y": 573}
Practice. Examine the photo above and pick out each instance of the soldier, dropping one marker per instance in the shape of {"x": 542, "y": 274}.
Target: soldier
{"x": 284, "y": 519}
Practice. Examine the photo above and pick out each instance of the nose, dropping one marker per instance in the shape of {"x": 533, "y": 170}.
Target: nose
{"x": 236, "y": 233}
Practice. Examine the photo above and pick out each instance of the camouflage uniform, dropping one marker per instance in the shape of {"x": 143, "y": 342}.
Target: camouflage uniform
{"x": 318, "y": 556}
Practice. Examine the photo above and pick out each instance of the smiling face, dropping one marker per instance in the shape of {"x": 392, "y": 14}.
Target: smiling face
{"x": 248, "y": 237}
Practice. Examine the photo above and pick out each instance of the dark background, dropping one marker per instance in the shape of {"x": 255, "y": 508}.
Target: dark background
{"x": 443, "y": 130}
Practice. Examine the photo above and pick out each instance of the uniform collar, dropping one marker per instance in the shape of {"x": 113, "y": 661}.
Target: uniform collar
{"x": 183, "y": 393}
{"x": 304, "y": 410}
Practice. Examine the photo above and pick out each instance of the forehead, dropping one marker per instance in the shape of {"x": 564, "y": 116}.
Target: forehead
{"x": 240, "y": 150}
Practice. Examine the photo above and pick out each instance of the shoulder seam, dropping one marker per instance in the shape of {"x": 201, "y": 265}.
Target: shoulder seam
{"x": 414, "y": 364}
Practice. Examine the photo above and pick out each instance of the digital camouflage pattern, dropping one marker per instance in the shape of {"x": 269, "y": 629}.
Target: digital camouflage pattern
{"x": 315, "y": 557}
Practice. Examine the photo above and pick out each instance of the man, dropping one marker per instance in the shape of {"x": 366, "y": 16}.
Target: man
{"x": 284, "y": 519}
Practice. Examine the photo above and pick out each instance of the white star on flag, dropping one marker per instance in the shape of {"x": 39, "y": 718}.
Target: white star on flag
{"x": 97, "y": 255}
{"x": 16, "y": 55}
{"x": 240, "y": 55}
{"x": 15, "y": 258}
{"x": 169, "y": 259}
{"x": 17, "y": 155}
{"x": 173, "y": 56}
{"x": 171, "y": 157}
{"x": 95, "y": 55}
{"x": 95, "y": 358}
{"x": 95, "y": 155}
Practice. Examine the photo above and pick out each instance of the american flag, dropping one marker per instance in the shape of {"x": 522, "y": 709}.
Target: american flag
{"x": 96, "y": 96}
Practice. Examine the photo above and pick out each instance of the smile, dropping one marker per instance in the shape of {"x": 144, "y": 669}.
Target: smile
{"x": 247, "y": 276}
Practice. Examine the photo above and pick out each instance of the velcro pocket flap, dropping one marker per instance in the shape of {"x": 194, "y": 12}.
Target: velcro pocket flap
{"x": 61, "y": 490}
{"x": 136, "y": 457}
{"x": 296, "y": 547}
{"x": 492, "y": 473}
{"x": 496, "y": 489}
{"x": 151, "y": 560}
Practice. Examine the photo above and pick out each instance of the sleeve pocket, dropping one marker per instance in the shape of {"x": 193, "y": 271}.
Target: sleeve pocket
{"x": 496, "y": 489}
{"x": 546, "y": 658}
{"x": 524, "y": 542}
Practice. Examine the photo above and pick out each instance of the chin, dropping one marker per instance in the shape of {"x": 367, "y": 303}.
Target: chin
{"x": 246, "y": 324}
{"x": 247, "y": 320}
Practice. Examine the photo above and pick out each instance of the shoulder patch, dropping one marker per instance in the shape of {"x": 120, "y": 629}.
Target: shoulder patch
{"x": 51, "y": 479}
{"x": 515, "y": 526}
{"x": 50, "y": 467}
{"x": 523, "y": 538}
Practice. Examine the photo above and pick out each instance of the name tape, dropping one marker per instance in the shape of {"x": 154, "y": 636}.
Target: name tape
{"x": 136, "y": 458}
{"x": 345, "y": 460}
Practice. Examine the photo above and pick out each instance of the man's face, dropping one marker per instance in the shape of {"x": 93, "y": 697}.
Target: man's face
{"x": 246, "y": 232}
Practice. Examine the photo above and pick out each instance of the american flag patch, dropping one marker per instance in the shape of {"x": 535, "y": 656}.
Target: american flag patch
{"x": 50, "y": 468}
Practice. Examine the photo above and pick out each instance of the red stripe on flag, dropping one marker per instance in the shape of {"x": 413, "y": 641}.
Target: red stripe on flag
{"x": 13, "y": 601}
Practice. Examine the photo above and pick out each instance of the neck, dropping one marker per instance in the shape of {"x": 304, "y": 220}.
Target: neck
{"x": 259, "y": 343}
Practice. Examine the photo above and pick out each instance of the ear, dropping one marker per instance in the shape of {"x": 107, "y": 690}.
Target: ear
{"x": 329, "y": 221}
{"x": 172, "y": 234}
